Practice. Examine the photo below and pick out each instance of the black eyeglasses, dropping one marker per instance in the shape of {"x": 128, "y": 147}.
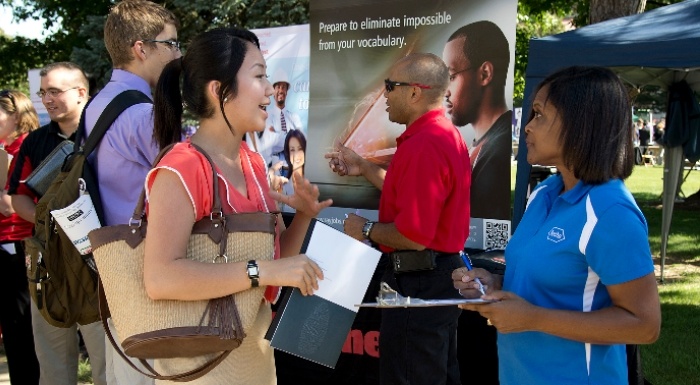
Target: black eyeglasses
{"x": 53, "y": 92}
{"x": 172, "y": 43}
{"x": 8, "y": 94}
{"x": 390, "y": 85}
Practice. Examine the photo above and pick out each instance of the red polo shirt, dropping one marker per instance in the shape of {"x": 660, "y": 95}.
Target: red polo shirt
{"x": 426, "y": 189}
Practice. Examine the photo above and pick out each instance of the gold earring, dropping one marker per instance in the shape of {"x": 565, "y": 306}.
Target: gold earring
{"x": 225, "y": 100}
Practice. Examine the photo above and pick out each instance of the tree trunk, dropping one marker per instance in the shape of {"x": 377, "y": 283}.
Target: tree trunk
{"x": 601, "y": 10}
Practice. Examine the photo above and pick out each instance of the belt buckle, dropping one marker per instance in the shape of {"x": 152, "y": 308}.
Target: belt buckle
{"x": 397, "y": 262}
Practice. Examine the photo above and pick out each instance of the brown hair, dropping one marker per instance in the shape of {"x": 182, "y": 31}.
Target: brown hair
{"x": 16, "y": 102}
{"x": 130, "y": 21}
{"x": 70, "y": 66}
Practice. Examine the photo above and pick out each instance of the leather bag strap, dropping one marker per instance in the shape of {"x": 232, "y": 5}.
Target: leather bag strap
{"x": 216, "y": 211}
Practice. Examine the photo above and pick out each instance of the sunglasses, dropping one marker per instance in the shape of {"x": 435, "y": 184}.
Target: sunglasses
{"x": 390, "y": 85}
{"x": 8, "y": 94}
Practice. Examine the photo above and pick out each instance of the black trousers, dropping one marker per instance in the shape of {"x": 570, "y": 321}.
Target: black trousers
{"x": 15, "y": 317}
{"x": 418, "y": 346}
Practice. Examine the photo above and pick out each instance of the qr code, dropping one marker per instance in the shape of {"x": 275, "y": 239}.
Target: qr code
{"x": 496, "y": 234}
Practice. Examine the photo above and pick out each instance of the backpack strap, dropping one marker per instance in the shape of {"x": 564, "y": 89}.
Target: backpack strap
{"x": 115, "y": 108}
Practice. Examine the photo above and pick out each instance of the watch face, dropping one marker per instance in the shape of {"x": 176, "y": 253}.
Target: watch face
{"x": 253, "y": 269}
{"x": 253, "y": 273}
{"x": 367, "y": 228}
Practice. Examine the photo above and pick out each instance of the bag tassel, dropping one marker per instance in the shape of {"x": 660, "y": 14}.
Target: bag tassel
{"x": 222, "y": 313}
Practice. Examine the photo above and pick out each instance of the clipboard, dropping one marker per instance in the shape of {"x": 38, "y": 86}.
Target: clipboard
{"x": 417, "y": 302}
{"x": 390, "y": 298}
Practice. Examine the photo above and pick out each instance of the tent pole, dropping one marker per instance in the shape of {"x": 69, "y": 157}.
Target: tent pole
{"x": 673, "y": 160}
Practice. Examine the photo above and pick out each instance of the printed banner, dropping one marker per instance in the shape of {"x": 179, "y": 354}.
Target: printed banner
{"x": 353, "y": 46}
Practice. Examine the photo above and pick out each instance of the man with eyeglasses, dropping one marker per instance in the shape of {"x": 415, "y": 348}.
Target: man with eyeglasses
{"x": 64, "y": 93}
{"x": 141, "y": 38}
{"x": 423, "y": 222}
{"x": 478, "y": 57}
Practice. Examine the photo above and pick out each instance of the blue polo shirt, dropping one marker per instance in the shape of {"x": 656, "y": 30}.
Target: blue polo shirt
{"x": 566, "y": 250}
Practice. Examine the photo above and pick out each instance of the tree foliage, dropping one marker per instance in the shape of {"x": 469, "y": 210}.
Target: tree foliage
{"x": 18, "y": 55}
{"x": 529, "y": 26}
{"x": 601, "y": 10}
{"x": 80, "y": 36}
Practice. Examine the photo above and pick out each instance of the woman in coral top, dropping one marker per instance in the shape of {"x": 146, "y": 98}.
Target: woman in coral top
{"x": 17, "y": 119}
{"x": 225, "y": 85}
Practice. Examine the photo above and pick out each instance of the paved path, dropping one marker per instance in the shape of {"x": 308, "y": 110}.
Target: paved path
{"x": 4, "y": 374}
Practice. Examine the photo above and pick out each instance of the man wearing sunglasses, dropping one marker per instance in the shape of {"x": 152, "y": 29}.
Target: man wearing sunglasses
{"x": 141, "y": 38}
{"x": 64, "y": 93}
{"x": 423, "y": 222}
{"x": 477, "y": 56}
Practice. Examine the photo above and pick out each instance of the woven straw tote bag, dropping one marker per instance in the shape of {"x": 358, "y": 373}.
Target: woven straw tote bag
{"x": 153, "y": 329}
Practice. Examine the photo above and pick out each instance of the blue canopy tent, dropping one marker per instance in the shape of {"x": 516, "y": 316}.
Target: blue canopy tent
{"x": 659, "y": 47}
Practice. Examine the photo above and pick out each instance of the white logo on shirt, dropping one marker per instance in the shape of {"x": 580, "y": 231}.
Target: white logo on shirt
{"x": 556, "y": 235}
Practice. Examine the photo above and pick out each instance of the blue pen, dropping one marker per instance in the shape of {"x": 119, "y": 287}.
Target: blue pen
{"x": 468, "y": 264}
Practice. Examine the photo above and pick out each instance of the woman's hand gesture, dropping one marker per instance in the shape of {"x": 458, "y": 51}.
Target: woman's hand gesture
{"x": 305, "y": 197}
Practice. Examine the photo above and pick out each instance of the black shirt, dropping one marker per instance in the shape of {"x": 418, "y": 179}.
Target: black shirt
{"x": 490, "y": 190}
{"x": 36, "y": 146}
{"x": 644, "y": 136}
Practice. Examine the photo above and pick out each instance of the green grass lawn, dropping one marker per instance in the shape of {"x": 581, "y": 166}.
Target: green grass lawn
{"x": 675, "y": 358}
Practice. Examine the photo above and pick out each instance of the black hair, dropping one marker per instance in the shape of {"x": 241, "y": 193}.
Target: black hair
{"x": 216, "y": 54}
{"x": 597, "y": 131}
{"x": 302, "y": 141}
{"x": 484, "y": 41}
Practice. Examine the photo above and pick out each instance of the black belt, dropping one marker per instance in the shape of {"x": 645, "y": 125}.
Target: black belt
{"x": 440, "y": 254}
{"x": 405, "y": 261}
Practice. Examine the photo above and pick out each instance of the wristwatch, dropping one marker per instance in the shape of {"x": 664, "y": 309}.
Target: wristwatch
{"x": 367, "y": 228}
{"x": 253, "y": 273}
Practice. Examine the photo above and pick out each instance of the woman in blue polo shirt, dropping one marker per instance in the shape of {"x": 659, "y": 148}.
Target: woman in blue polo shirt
{"x": 579, "y": 282}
